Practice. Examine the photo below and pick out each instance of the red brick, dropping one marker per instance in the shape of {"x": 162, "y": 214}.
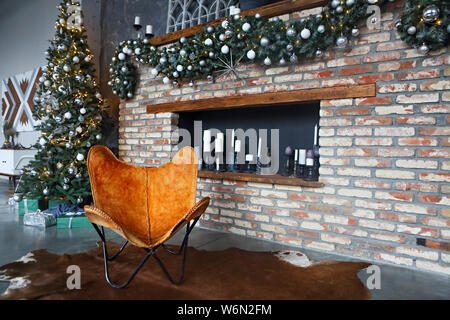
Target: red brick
{"x": 397, "y": 65}
{"x": 352, "y": 111}
{"x": 375, "y": 78}
{"x": 412, "y": 186}
{"x": 418, "y": 142}
{"x": 415, "y": 120}
{"x": 355, "y": 70}
{"x": 382, "y": 57}
{"x": 373, "y": 121}
{"x": 397, "y": 87}
{"x": 318, "y": 75}
{"x": 394, "y": 152}
{"x": 418, "y": 74}
{"x": 437, "y": 131}
{"x": 373, "y": 101}
{"x": 354, "y": 152}
{"x": 259, "y": 81}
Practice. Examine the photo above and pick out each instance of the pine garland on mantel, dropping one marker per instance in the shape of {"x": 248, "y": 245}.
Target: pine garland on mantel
{"x": 259, "y": 40}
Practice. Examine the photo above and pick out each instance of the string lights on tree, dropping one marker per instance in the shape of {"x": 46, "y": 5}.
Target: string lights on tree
{"x": 68, "y": 105}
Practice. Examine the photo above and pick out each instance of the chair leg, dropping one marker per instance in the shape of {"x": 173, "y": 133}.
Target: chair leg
{"x": 150, "y": 252}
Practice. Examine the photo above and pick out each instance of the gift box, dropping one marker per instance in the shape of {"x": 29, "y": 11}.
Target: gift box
{"x": 39, "y": 219}
{"x": 32, "y": 205}
{"x": 72, "y": 221}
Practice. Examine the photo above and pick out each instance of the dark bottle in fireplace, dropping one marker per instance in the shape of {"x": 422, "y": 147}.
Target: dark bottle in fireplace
{"x": 310, "y": 175}
{"x": 301, "y": 167}
{"x": 288, "y": 162}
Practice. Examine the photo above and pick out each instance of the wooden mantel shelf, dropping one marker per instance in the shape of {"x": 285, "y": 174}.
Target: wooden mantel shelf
{"x": 251, "y": 177}
{"x": 267, "y": 99}
{"x": 270, "y": 10}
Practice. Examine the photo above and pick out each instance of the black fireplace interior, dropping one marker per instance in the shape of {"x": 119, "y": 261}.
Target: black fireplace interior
{"x": 295, "y": 122}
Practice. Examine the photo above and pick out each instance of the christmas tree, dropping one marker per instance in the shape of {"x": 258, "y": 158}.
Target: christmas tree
{"x": 69, "y": 107}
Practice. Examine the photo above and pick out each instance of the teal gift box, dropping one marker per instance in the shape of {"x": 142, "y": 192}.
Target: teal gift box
{"x": 72, "y": 221}
{"x": 32, "y": 205}
{"x": 55, "y": 203}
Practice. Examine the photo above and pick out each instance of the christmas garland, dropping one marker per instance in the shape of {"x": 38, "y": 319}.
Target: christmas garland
{"x": 425, "y": 24}
{"x": 254, "y": 39}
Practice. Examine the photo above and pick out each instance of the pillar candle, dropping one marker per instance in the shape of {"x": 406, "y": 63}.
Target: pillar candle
{"x": 137, "y": 20}
{"x": 149, "y": 29}
{"x": 217, "y": 163}
{"x": 315, "y": 135}
{"x": 237, "y": 146}
{"x": 296, "y": 155}
{"x": 302, "y": 156}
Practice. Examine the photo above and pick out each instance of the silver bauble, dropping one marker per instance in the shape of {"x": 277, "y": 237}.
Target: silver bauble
{"x": 282, "y": 61}
{"x": 398, "y": 24}
{"x": 334, "y": 3}
{"x": 289, "y": 47}
{"x": 305, "y": 34}
{"x": 225, "y": 49}
{"x": 79, "y": 200}
{"x": 78, "y": 176}
{"x": 267, "y": 61}
{"x": 411, "y": 30}
{"x": 98, "y": 136}
{"x": 68, "y": 145}
{"x": 257, "y": 16}
{"x": 291, "y": 32}
{"x": 71, "y": 170}
{"x": 191, "y": 84}
{"x": 424, "y": 49}
{"x": 183, "y": 39}
{"x": 66, "y": 180}
{"x": 129, "y": 95}
{"x": 430, "y": 13}
{"x": 66, "y": 187}
{"x": 355, "y": 32}
{"x": 339, "y": 9}
{"x": 246, "y": 27}
{"x": 341, "y": 41}
{"x": 182, "y": 52}
{"x": 293, "y": 58}
{"x": 202, "y": 63}
{"x": 350, "y": 2}
{"x": 162, "y": 60}
{"x": 210, "y": 29}
{"x": 45, "y": 192}
{"x": 211, "y": 54}
{"x": 321, "y": 28}
{"x": 81, "y": 118}
{"x": 319, "y": 53}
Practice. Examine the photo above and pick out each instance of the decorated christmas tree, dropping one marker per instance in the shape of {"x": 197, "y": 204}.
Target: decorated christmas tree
{"x": 69, "y": 108}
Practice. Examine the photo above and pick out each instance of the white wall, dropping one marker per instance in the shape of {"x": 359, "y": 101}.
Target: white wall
{"x": 26, "y": 26}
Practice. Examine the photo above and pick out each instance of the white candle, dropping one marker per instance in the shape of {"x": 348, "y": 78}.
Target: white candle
{"x": 237, "y": 10}
{"x": 309, "y": 162}
{"x": 149, "y": 29}
{"x": 232, "y": 138}
{"x": 296, "y": 154}
{"x": 232, "y": 10}
{"x": 315, "y": 135}
{"x": 237, "y": 146}
{"x": 137, "y": 20}
{"x": 302, "y": 156}
{"x": 217, "y": 163}
{"x": 259, "y": 147}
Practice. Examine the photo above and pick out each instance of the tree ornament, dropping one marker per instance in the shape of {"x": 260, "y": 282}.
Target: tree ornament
{"x": 182, "y": 52}
{"x": 79, "y": 200}
{"x": 82, "y": 110}
{"x": 78, "y": 176}
{"x": 398, "y": 24}
{"x": 264, "y": 41}
{"x": 146, "y": 41}
{"x": 282, "y": 61}
{"x": 267, "y": 61}
{"x": 225, "y": 49}
{"x": 321, "y": 29}
{"x": 71, "y": 133}
{"x": 339, "y": 9}
{"x": 180, "y": 68}
{"x": 55, "y": 76}
{"x": 228, "y": 33}
{"x": 166, "y": 80}
{"x": 424, "y": 49}
{"x": 175, "y": 74}
{"x": 246, "y": 27}
{"x": 350, "y": 2}
{"x": 45, "y": 191}
{"x": 355, "y": 32}
{"x": 42, "y": 141}
{"x": 47, "y": 83}
{"x": 211, "y": 54}
{"x": 319, "y": 53}
{"x": 202, "y": 63}
{"x": 291, "y": 32}
{"x": 222, "y": 37}
{"x": 191, "y": 84}
{"x": 33, "y": 173}
{"x": 293, "y": 58}
{"x": 275, "y": 19}
{"x": 41, "y": 79}
{"x": 80, "y": 157}
{"x": 68, "y": 145}
{"x": 137, "y": 51}
{"x": 183, "y": 39}
{"x": 189, "y": 68}
{"x": 124, "y": 69}
{"x": 66, "y": 68}
{"x": 341, "y": 41}
{"x": 289, "y": 47}
{"x": 448, "y": 28}
{"x": 225, "y": 24}
{"x": 175, "y": 82}
{"x": 66, "y": 187}
{"x": 154, "y": 72}
{"x": 87, "y": 59}
{"x": 162, "y": 60}
{"x": 67, "y": 115}
{"x": 71, "y": 170}
{"x": 66, "y": 180}
{"x": 209, "y": 77}
{"x": 412, "y": 30}
{"x": 257, "y": 16}
{"x": 210, "y": 29}
{"x": 81, "y": 118}
{"x": 305, "y": 34}
{"x": 430, "y": 13}
{"x": 251, "y": 54}
{"x": 76, "y": 59}
{"x": 208, "y": 42}
{"x": 121, "y": 56}
{"x": 98, "y": 136}
{"x": 334, "y": 3}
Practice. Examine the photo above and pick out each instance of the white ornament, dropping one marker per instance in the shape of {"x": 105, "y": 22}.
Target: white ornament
{"x": 182, "y": 52}
{"x": 424, "y": 49}
{"x": 291, "y": 32}
{"x": 267, "y": 61}
{"x": 189, "y": 68}
{"x": 124, "y": 69}
{"x": 341, "y": 41}
{"x": 154, "y": 72}
{"x": 47, "y": 83}
{"x": 251, "y": 54}
{"x": 98, "y": 95}
{"x": 137, "y": 51}
{"x": 264, "y": 41}
{"x": 42, "y": 141}
{"x": 305, "y": 34}
{"x": 321, "y": 28}
{"x": 202, "y": 63}
{"x": 246, "y": 27}
{"x": 411, "y": 30}
{"x": 41, "y": 79}
{"x": 350, "y": 2}
{"x": 98, "y": 137}
{"x": 180, "y": 68}
{"x": 162, "y": 60}
{"x": 129, "y": 51}
{"x": 355, "y": 32}
{"x": 175, "y": 74}
{"x": 166, "y": 80}
{"x": 334, "y": 3}
{"x": 87, "y": 58}
{"x": 66, "y": 68}
{"x": 282, "y": 61}
{"x": 125, "y": 50}
{"x": 225, "y": 49}
{"x": 183, "y": 39}
{"x": 208, "y": 42}
{"x": 82, "y": 110}
{"x": 67, "y": 115}
{"x": 121, "y": 56}
{"x": 80, "y": 157}
{"x": 224, "y": 24}
{"x": 257, "y": 16}
{"x": 221, "y": 37}
{"x": 339, "y": 9}
{"x": 76, "y": 59}
{"x": 79, "y": 129}
{"x": 129, "y": 95}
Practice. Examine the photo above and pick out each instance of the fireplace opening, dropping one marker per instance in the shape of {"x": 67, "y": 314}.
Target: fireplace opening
{"x": 293, "y": 126}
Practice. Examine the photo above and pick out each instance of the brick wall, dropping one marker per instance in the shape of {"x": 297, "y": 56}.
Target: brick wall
{"x": 385, "y": 160}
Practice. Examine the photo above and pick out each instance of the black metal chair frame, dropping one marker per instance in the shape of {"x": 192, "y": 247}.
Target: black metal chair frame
{"x": 150, "y": 253}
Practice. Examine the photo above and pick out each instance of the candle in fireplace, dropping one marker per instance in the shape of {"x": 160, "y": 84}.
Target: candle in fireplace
{"x": 137, "y": 21}
{"x": 315, "y": 135}
{"x": 149, "y": 29}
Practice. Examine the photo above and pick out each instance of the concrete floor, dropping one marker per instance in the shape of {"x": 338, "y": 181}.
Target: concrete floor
{"x": 16, "y": 240}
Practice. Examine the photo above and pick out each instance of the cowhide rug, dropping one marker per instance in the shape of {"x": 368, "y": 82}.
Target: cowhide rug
{"x": 228, "y": 274}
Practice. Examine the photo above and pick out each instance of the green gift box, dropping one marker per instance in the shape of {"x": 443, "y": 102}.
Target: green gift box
{"x": 31, "y": 205}
{"x": 72, "y": 221}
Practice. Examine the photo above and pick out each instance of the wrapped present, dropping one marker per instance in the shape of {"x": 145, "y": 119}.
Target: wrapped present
{"x": 39, "y": 218}
{"x": 31, "y": 205}
{"x": 69, "y": 221}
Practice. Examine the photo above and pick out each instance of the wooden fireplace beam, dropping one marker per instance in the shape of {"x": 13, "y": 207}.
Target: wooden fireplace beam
{"x": 270, "y": 10}
{"x": 267, "y": 99}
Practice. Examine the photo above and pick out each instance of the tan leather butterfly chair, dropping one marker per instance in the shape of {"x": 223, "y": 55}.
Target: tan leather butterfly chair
{"x": 145, "y": 205}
